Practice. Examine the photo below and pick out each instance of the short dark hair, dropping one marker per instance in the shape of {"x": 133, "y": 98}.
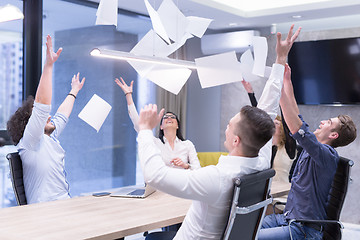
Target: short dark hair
{"x": 178, "y": 131}
{"x": 346, "y": 131}
{"x": 18, "y": 121}
{"x": 255, "y": 129}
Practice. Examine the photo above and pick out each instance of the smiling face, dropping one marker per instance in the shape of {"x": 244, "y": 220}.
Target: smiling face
{"x": 327, "y": 130}
{"x": 169, "y": 121}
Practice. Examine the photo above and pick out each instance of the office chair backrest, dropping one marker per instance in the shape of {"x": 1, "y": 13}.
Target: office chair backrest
{"x": 251, "y": 196}
{"x": 336, "y": 198}
{"x": 16, "y": 172}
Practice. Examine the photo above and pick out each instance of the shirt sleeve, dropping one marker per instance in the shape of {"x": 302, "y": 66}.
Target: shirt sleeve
{"x": 269, "y": 102}
{"x": 197, "y": 185}
{"x": 270, "y": 97}
{"x": 318, "y": 152}
{"x": 193, "y": 159}
{"x": 34, "y": 129}
{"x": 134, "y": 116}
{"x": 60, "y": 121}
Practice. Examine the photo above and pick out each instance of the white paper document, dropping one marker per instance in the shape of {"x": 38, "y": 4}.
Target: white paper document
{"x": 173, "y": 20}
{"x": 152, "y": 45}
{"x": 170, "y": 78}
{"x": 156, "y": 22}
{"x": 107, "y": 12}
{"x": 218, "y": 69}
{"x": 260, "y": 55}
{"x": 197, "y": 25}
{"x": 95, "y": 112}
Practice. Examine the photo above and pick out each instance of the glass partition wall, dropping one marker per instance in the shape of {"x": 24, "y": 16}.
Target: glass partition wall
{"x": 11, "y": 83}
{"x": 94, "y": 160}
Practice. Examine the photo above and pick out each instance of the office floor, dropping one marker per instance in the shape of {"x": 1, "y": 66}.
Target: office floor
{"x": 351, "y": 232}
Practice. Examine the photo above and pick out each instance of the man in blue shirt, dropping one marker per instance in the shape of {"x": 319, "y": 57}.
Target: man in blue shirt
{"x": 35, "y": 135}
{"x": 314, "y": 170}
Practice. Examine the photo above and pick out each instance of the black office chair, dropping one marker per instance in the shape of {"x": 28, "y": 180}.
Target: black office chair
{"x": 250, "y": 199}
{"x": 332, "y": 226}
{"x": 16, "y": 172}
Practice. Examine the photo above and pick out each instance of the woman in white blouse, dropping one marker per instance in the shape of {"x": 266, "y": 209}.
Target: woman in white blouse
{"x": 175, "y": 150}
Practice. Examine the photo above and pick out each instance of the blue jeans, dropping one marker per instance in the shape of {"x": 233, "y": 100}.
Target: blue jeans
{"x": 276, "y": 227}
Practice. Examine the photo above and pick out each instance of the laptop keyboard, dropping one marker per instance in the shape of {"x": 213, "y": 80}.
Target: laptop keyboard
{"x": 137, "y": 192}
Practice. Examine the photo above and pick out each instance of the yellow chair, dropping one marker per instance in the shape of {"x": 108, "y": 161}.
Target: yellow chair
{"x": 209, "y": 158}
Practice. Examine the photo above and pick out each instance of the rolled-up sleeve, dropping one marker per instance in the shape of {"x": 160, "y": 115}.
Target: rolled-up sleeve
{"x": 307, "y": 140}
{"x": 60, "y": 121}
{"x": 34, "y": 129}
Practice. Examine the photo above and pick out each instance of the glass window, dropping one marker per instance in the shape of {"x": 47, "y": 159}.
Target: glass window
{"x": 94, "y": 160}
{"x": 10, "y": 93}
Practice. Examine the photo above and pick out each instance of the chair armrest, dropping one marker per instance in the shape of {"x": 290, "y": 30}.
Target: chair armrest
{"x": 278, "y": 203}
{"x": 254, "y": 207}
{"x": 321, "y": 222}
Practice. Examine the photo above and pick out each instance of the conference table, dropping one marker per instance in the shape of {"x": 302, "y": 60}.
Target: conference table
{"x": 89, "y": 217}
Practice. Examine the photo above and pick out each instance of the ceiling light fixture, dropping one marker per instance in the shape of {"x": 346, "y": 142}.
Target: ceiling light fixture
{"x": 113, "y": 54}
{"x": 10, "y": 12}
{"x": 296, "y": 16}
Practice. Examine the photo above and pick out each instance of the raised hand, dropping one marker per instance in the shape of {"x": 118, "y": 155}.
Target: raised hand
{"x": 76, "y": 85}
{"x": 247, "y": 86}
{"x": 283, "y": 46}
{"x": 126, "y": 89}
{"x": 149, "y": 118}
{"x": 51, "y": 56}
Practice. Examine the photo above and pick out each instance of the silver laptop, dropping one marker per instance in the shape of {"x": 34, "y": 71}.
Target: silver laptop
{"x": 134, "y": 192}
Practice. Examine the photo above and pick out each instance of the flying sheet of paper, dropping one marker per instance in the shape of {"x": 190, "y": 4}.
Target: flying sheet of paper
{"x": 176, "y": 45}
{"x": 107, "y": 12}
{"x": 169, "y": 78}
{"x": 152, "y": 45}
{"x": 260, "y": 55}
{"x": 173, "y": 20}
{"x": 95, "y": 112}
{"x": 156, "y": 22}
{"x": 197, "y": 25}
{"x": 218, "y": 69}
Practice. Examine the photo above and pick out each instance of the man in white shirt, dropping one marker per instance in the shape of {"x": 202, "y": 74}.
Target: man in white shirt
{"x": 248, "y": 140}
{"x": 35, "y": 134}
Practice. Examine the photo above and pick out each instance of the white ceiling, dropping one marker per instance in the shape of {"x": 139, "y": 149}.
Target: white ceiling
{"x": 315, "y": 16}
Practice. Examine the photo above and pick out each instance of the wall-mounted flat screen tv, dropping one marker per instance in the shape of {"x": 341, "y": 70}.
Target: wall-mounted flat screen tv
{"x": 326, "y": 71}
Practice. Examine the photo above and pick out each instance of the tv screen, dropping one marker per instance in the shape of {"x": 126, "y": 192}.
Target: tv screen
{"x": 326, "y": 71}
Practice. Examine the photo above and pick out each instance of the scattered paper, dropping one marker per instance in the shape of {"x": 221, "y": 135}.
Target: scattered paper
{"x": 197, "y": 25}
{"x": 156, "y": 22}
{"x": 95, "y": 112}
{"x": 260, "y": 55}
{"x": 218, "y": 69}
{"x": 152, "y": 45}
{"x": 169, "y": 78}
{"x": 107, "y": 12}
{"x": 173, "y": 20}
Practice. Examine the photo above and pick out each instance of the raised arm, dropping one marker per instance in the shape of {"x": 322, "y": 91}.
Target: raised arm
{"x": 250, "y": 92}
{"x": 68, "y": 104}
{"x": 44, "y": 90}
{"x": 288, "y": 103}
{"x": 128, "y": 90}
{"x": 269, "y": 100}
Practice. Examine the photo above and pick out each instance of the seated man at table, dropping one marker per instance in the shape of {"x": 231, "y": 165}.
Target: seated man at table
{"x": 313, "y": 173}
{"x": 248, "y": 136}
{"x": 35, "y": 133}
